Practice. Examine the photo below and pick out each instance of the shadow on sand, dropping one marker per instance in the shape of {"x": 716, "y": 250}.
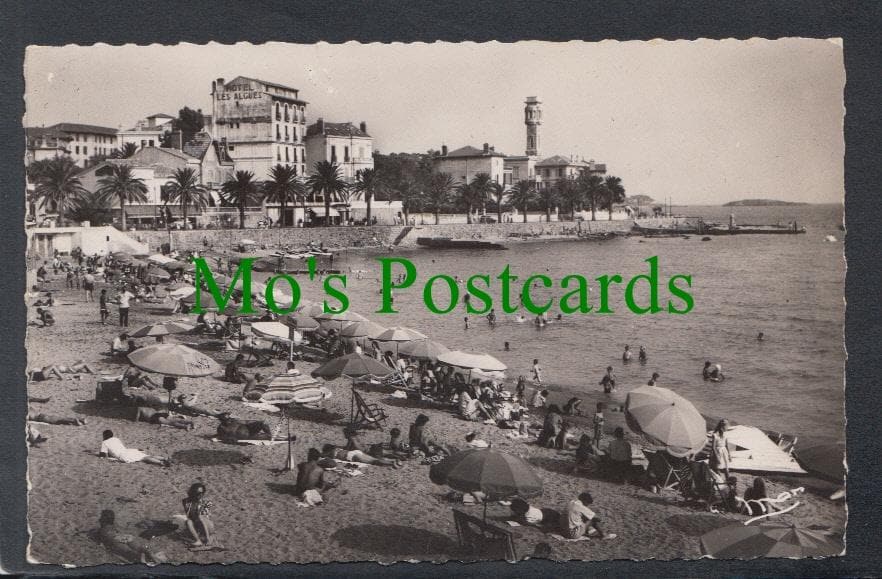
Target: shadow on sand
{"x": 697, "y": 524}
{"x": 397, "y": 541}
{"x": 282, "y": 488}
{"x": 203, "y": 457}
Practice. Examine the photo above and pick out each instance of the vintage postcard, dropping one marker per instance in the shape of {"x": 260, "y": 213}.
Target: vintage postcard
{"x": 435, "y": 302}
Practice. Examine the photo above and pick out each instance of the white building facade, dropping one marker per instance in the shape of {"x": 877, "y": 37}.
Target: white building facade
{"x": 350, "y": 147}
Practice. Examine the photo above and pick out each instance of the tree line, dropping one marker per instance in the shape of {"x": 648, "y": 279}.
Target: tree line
{"x": 405, "y": 177}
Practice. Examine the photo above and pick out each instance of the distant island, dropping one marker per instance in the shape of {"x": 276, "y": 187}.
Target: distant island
{"x": 760, "y": 203}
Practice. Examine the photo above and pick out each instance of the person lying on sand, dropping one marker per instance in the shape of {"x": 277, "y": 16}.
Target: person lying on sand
{"x": 529, "y": 515}
{"x": 253, "y": 389}
{"x": 34, "y": 436}
{"x": 330, "y": 451}
{"x": 112, "y": 447}
{"x": 186, "y": 403}
{"x": 46, "y": 372}
{"x": 131, "y": 547}
{"x": 58, "y": 420}
{"x": 146, "y": 414}
{"x": 198, "y": 508}
{"x": 45, "y": 317}
{"x": 135, "y": 378}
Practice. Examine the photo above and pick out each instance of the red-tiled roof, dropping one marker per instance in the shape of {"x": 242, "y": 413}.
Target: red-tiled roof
{"x": 336, "y": 130}
{"x": 80, "y": 128}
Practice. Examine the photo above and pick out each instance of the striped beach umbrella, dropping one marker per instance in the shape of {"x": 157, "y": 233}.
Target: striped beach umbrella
{"x": 163, "y": 329}
{"x": 353, "y": 366}
{"x": 770, "y": 540}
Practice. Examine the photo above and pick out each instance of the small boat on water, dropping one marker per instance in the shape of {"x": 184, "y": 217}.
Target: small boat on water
{"x": 673, "y": 231}
{"x": 448, "y": 243}
{"x": 755, "y": 230}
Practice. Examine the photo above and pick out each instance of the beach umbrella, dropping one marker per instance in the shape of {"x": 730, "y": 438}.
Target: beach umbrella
{"x": 472, "y": 361}
{"x": 159, "y": 258}
{"x": 158, "y": 273}
{"x": 824, "y": 460}
{"x": 278, "y": 331}
{"x": 121, "y": 256}
{"x": 300, "y": 322}
{"x": 424, "y": 349}
{"x": 498, "y": 475}
{"x": 163, "y": 329}
{"x": 666, "y": 419}
{"x": 365, "y": 329}
{"x": 182, "y": 292}
{"x": 173, "y": 360}
{"x": 400, "y": 334}
{"x": 347, "y": 316}
{"x": 769, "y": 540}
{"x": 353, "y": 365}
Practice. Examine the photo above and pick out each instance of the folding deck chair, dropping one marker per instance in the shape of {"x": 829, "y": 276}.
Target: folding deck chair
{"x": 671, "y": 473}
{"x": 362, "y": 414}
{"x": 484, "y": 539}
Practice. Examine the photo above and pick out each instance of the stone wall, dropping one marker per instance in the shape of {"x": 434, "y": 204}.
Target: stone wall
{"x": 349, "y": 237}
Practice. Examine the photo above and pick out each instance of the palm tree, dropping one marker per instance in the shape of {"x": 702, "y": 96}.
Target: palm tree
{"x": 239, "y": 190}
{"x": 498, "y": 192}
{"x": 592, "y": 191}
{"x": 479, "y": 190}
{"x": 549, "y": 198}
{"x": 613, "y": 192}
{"x": 441, "y": 187}
{"x": 569, "y": 192}
{"x": 57, "y": 185}
{"x": 368, "y": 182}
{"x": 408, "y": 189}
{"x": 327, "y": 180}
{"x": 122, "y": 186}
{"x": 93, "y": 208}
{"x": 184, "y": 188}
{"x": 124, "y": 152}
{"x": 283, "y": 186}
{"x": 522, "y": 195}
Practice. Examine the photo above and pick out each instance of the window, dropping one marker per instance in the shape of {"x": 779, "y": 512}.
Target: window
{"x": 361, "y": 152}
{"x": 143, "y": 143}
{"x": 287, "y": 138}
{"x": 278, "y": 112}
{"x": 333, "y": 153}
{"x": 278, "y": 133}
{"x": 232, "y": 147}
{"x": 85, "y": 150}
{"x": 286, "y": 155}
{"x": 287, "y": 118}
{"x": 78, "y": 149}
{"x": 345, "y": 154}
{"x": 150, "y": 142}
{"x": 295, "y": 154}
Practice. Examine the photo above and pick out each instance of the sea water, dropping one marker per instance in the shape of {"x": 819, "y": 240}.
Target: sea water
{"x": 790, "y": 287}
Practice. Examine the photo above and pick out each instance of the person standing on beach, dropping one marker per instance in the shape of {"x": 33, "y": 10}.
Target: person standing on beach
{"x": 124, "y": 298}
{"x": 491, "y": 318}
{"x": 719, "y": 460}
{"x": 608, "y": 381}
{"x": 537, "y": 372}
{"x": 89, "y": 286}
{"x": 598, "y": 425}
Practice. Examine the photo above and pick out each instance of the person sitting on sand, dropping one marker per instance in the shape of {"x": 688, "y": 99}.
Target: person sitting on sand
{"x": 253, "y": 389}
{"x": 562, "y": 438}
{"x": 332, "y": 452}
{"x": 571, "y": 408}
{"x": 586, "y": 455}
{"x": 473, "y": 442}
{"x": 147, "y": 414}
{"x": 526, "y": 514}
{"x": 232, "y": 373}
{"x": 112, "y": 447}
{"x": 198, "y": 508}
{"x": 131, "y": 547}
{"x": 45, "y": 317}
{"x": 47, "y": 301}
{"x": 420, "y": 438}
{"x": 59, "y": 420}
{"x": 122, "y": 345}
{"x": 580, "y": 518}
{"x": 619, "y": 453}
{"x": 551, "y": 427}
{"x": 34, "y": 437}
{"x": 469, "y": 407}
{"x": 310, "y": 475}
{"x": 133, "y": 377}
{"x": 756, "y": 497}
{"x": 396, "y": 442}
{"x": 539, "y": 399}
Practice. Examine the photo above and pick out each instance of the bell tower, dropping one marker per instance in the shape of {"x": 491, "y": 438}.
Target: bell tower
{"x": 533, "y": 118}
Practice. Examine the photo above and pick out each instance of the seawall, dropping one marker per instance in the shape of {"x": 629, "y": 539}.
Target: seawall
{"x": 379, "y": 236}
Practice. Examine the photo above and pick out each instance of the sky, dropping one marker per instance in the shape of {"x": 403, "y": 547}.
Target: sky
{"x": 699, "y": 122}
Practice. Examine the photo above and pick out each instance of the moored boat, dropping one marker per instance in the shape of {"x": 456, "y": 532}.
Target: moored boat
{"x": 448, "y": 243}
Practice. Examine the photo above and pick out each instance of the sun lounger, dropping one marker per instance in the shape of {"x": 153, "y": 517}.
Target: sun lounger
{"x": 363, "y": 414}
{"x": 484, "y": 539}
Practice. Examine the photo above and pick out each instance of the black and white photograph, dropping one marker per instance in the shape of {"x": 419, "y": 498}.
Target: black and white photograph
{"x": 450, "y": 301}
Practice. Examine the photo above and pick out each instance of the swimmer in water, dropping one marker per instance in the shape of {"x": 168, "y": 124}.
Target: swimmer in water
{"x": 716, "y": 374}
{"x": 559, "y": 317}
{"x": 642, "y": 355}
{"x": 520, "y": 319}
{"x": 507, "y": 348}
{"x": 626, "y": 355}
{"x": 760, "y": 337}
{"x": 705, "y": 372}
{"x": 491, "y": 318}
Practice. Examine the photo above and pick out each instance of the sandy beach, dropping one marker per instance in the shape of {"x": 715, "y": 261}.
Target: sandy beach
{"x": 386, "y": 515}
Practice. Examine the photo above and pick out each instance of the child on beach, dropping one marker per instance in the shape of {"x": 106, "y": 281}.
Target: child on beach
{"x": 537, "y": 372}
{"x": 608, "y": 381}
{"x": 598, "y": 425}
{"x": 579, "y": 518}
{"x": 197, "y": 508}
{"x": 473, "y": 442}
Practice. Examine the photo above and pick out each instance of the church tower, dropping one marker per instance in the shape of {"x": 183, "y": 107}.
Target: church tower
{"x": 533, "y": 118}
